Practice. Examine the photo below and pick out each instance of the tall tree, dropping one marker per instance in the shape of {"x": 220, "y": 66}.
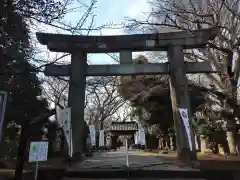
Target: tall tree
{"x": 194, "y": 15}
{"x": 45, "y": 11}
{"x": 150, "y": 97}
{"x": 102, "y": 102}
{"x": 24, "y": 90}
{"x": 103, "y": 99}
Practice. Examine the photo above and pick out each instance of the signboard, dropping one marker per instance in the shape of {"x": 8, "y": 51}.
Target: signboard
{"x": 3, "y": 102}
{"x": 92, "y": 134}
{"x": 38, "y": 151}
{"x": 185, "y": 119}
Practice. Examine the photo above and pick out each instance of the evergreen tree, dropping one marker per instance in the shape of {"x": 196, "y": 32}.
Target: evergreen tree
{"x": 24, "y": 90}
{"x": 150, "y": 97}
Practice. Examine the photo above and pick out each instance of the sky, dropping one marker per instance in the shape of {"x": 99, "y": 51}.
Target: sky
{"x": 116, "y": 11}
{"x": 107, "y": 12}
{"x": 110, "y": 12}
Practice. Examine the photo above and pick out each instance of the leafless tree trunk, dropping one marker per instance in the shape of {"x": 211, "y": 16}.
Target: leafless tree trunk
{"x": 104, "y": 103}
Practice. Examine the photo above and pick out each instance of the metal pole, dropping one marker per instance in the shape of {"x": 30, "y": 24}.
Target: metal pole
{"x": 3, "y": 102}
{"x": 36, "y": 171}
{"x": 127, "y": 163}
{"x": 70, "y": 146}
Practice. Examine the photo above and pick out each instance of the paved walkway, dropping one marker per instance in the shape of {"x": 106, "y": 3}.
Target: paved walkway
{"x": 112, "y": 165}
{"x": 117, "y": 160}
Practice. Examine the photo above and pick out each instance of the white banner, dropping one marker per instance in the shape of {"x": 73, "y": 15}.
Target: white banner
{"x": 92, "y": 135}
{"x": 101, "y": 138}
{"x": 185, "y": 119}
{"x": 58, "y": 110}
{"x": 141, "y": 135}
{"x": 59, "y": 120}
{"x": 136, "y": 138}
{"x": 65, "y": 119}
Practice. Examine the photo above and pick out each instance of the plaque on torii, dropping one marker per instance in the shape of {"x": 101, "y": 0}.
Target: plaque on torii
{"x": 176, "y": 68}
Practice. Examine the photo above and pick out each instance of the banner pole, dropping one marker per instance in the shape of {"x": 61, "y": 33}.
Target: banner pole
{"x": 127, "y": 162}
{"x": 3, "y": 102}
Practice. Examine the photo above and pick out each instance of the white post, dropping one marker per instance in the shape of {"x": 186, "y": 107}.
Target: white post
{"x": 127, "y": 163}
{"x": 36, "y": 171}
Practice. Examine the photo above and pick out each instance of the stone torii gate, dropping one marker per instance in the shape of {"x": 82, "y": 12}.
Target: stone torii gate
{"x": 174, "y": 43}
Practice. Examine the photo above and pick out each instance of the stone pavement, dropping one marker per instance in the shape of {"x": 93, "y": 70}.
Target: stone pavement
{"x": 117, "y": 160}
{"x": 112, "y": 165}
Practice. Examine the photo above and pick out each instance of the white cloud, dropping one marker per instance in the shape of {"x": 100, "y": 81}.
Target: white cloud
{"x": 112, "y": 31}
{"x": 137, "y": 8}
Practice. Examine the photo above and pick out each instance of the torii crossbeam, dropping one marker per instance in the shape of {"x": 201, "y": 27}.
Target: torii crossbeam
{"x": 176, "y": 68}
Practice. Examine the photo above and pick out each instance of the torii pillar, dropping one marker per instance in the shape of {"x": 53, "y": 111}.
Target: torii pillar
{"x": 180, "y": 99}
{"x": 76, "y": 101}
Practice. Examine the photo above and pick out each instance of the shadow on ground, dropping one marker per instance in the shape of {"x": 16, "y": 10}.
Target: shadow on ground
{"x": 209, "y": 168}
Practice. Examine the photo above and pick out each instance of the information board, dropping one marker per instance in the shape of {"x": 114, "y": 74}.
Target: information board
{"x": 38, "y": 151}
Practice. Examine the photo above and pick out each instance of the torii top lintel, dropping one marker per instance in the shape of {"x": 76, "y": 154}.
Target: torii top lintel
{"x": 136, "y": 42}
